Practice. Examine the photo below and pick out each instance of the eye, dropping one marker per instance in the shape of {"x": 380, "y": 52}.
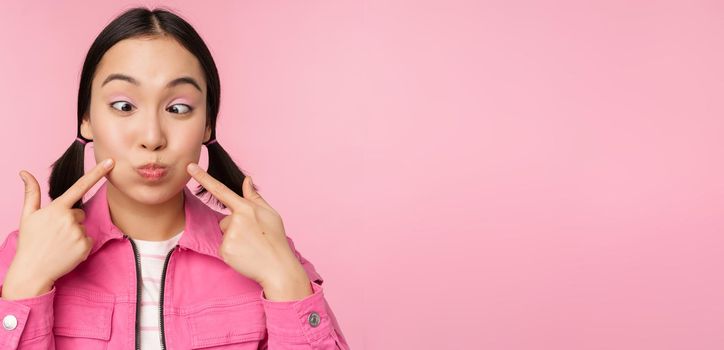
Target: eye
{"x": 123, "y": 109}
{"x": 184, "y": 109}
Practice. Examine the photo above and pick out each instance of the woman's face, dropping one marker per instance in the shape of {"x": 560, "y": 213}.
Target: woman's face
{"x": 148, "y": 116}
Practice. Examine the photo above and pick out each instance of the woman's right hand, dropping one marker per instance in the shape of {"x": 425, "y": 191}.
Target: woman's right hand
{"x": 52, "y": 241}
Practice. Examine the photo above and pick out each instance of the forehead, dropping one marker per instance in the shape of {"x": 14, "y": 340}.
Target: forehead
{"x": 153, "y": 61}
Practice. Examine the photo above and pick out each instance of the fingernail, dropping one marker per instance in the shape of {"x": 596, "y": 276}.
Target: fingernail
{"x": 22, "y": 177}
{"x": 108, "y": 163}
{"x": 193, "y": 168}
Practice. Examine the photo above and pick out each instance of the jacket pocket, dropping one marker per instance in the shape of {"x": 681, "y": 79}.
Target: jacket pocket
{"x": 236, "y": 322}
{"x": 83, "y": 319}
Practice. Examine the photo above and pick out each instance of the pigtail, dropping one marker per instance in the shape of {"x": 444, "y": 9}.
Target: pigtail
{"x": 224, "y": 169}
{"x": 67, "y": 170}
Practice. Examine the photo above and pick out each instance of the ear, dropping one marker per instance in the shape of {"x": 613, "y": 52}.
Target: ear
{"x": 85, "y": 128}
{"x": 207, "y": 134}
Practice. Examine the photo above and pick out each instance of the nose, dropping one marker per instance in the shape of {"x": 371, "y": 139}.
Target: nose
{"x": 153, "y": 134}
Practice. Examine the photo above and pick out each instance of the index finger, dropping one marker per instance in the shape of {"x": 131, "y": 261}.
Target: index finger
{"x": 85, "y": 183}
{"x": 218, "y": 189}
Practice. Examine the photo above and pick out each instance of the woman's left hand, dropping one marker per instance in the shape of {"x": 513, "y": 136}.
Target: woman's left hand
{"x": 254, "y": 241}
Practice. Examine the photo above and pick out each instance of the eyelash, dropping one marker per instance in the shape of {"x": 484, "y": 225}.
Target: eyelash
{"x": 191, "y": 109}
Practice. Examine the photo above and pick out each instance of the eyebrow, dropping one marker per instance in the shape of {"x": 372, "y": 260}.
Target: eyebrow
{"x": 172, "y": 83}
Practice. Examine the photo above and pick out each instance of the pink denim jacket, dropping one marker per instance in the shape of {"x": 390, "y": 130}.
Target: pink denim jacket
{"x": 205, "y": 304}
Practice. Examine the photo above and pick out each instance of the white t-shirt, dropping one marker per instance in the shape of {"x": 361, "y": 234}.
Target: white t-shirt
{"x": 153, "y": 255}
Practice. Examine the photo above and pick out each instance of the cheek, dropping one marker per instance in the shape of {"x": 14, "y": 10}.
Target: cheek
{"x": 110, "y": 144}
{"x": 111, "y": 140}
{"x": 187, "y": 136}
{"x": 188, "y": 143}
{"x": 109, "y": 133}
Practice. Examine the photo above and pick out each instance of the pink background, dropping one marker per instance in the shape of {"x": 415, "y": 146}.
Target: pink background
{"x": 466, "y": 175}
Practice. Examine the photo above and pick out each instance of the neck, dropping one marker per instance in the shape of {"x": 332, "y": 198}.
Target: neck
{"x": 148, "y": 222}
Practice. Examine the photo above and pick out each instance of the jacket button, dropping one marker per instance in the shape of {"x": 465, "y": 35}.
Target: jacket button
{"x": 313, "y": 319}
{"x": 10, "y": 322}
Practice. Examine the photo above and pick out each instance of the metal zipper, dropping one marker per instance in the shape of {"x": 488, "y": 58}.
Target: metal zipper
{"x": 160, "y": 301}
{"x": 138, "y": 291}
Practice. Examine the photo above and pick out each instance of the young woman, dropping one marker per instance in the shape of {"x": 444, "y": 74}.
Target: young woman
{"x": 144, "y": 263}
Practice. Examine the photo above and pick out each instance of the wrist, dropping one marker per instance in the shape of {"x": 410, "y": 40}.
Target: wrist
{"x": 21, "y": 285}
{"x": 293, "y": 287}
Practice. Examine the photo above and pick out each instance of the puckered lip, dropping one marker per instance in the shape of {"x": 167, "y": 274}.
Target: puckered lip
{"x": 151, "y": 166}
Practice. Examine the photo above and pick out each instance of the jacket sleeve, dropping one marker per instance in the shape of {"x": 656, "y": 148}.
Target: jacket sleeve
{"x": 26, "y": 323}
{"x": 303, "y": 324}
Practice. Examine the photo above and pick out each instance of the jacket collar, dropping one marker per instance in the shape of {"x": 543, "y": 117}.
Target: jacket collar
{"x": 201, "y": 231}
